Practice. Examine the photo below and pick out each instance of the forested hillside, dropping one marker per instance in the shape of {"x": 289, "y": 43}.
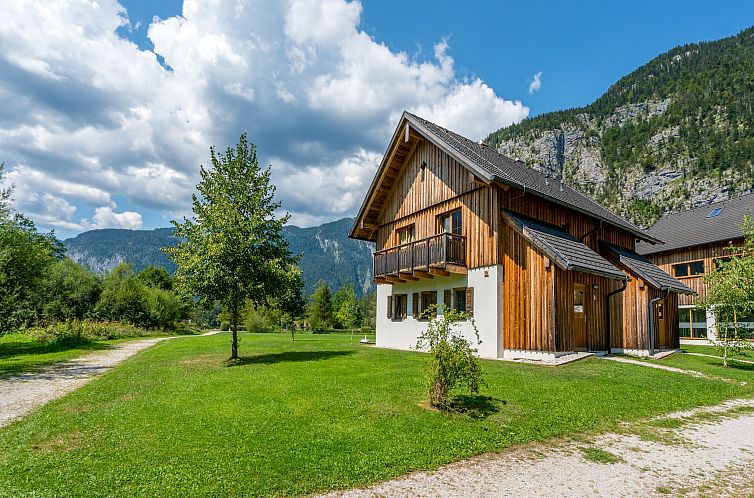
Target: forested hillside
{"x": 326, "y": 252}
{"x": 676, "y": 133}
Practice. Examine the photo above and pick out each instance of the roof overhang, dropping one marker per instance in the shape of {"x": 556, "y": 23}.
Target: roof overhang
{"x": 560, "y": 247}
{"x": 647, "y": 271}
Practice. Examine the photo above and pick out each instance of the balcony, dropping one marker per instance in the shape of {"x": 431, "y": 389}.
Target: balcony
{"x": 441, "y": 254}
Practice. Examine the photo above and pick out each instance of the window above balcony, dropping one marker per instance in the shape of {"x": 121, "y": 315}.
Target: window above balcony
{"x": 450, "y": 223}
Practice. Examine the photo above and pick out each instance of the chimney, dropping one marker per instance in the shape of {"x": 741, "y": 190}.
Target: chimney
{"x": 483, "y": 143}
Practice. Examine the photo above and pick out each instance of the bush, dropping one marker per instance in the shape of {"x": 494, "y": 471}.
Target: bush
{"x": 224, "y": 326}
{"x": 71, "y": 291}
{"x": 166, "y": 308}
{"x": 74, "y": 331}
{"x": 318, "y": 329}
{"x": 453, "y": 362}
{"x": 124, "y": 298}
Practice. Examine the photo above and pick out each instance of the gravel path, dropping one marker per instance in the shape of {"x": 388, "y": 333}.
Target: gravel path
{"x": 22, "y": 393}
{"x": 712, "y": 458}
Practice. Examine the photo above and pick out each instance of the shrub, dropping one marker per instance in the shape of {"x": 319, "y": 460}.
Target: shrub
{"x": 166, "y": 308}
{"x": 453, "y": 362}
{"x": 318, "y": 329}
{"x": 124, "y": 298}
{"x": 75, "y": 331}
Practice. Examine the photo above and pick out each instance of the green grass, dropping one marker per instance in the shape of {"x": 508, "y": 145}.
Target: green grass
{"x": 21, "y": 352}
{"x": 736, "y": 371}
{"x": 746, "y": 355}
{"x": 319, "y": 413}
{"x": 598, "y": 455}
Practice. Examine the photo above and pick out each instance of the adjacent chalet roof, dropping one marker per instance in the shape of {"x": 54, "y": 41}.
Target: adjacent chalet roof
{"x": 716, "y": 222}
{"x": 491, "y": 166}
{"x": 644, "y": 269}
{"x": 563, "y": 249}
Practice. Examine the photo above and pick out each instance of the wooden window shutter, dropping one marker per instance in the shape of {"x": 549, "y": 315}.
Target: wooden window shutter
{"x": 446, "y": 298}
{"x": 470, "y": 301}
{"x": 390, "y": 306}
{"x": 415, "y": 305}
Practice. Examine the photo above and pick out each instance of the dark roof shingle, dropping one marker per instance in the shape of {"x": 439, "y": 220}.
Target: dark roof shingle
{"x": 563, "y": 249}
{"x": 643, "y": 268}
{"x": 695, "y": 227}
{"x": 518, "y": 175}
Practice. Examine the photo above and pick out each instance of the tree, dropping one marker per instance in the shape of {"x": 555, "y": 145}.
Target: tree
{"x": 291, "y": 302}
{"x": 347, "y": 310}
{"x": 453, "y": 362}
{"x": 72, "y": 291}
{"x": 25, "y": 256}
{"x": 124, "y": 298}
{"x": 730, "y": 292}
{"x": 320, "y": 307}
{"x": 232, "y": 249}
{"x": 156, "y": 277}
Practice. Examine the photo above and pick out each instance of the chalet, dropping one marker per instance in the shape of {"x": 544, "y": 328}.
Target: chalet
{"x": 542, "y": 269}
{"x": 695, "y": 241}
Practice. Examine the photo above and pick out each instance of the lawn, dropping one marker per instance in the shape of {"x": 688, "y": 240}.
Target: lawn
{"x": 20, "y": 352}
{"x": 319, "y": 413}
{"x": 706, "y": 349}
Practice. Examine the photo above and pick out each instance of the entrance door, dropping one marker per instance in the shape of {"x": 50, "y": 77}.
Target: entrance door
{"x": 662, "y": 326}
{"x": 579, "y": 317}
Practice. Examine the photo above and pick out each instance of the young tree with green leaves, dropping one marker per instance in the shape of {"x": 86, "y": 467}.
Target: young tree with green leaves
{"x": 232, "y": 248}
{"x": 453, "y": 360}
{"x": 346, "y": 305}
{"x": 72, "y": 291}
{"x": 320, "y": 307}
{"x": 730, "y": 293}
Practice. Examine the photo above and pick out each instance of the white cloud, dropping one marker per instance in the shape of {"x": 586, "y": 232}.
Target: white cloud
{"x": 88, "y": 116}
{"x": 105, "y": 217}
{"x": 536, "y": 83}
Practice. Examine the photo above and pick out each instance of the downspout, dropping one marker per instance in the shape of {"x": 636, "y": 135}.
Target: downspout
{"x": 607, "y": 312}
{"x": 652, "y": 320}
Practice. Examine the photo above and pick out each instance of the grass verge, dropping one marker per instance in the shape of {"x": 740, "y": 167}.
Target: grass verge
{"x": 300, "y": 417}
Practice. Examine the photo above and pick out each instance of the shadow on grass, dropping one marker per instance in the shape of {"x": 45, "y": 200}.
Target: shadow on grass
{"x": 38, "y": 347}
{"x": 477, "y": 407}
{"x": 288, "y": 356}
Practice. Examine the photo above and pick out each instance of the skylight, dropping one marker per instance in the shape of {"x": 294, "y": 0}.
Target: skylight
{"x": 715, "y": 212}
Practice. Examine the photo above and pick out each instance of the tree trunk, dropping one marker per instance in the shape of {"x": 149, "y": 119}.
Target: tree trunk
{"x": 234, "y": 328}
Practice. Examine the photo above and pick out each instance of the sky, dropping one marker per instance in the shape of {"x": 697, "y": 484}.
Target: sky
{"x": 108, "y": 109}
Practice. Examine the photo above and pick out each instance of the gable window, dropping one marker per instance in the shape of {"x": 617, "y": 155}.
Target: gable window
{"x": 450, "y": 223}
{"x": 690, "y": 269}
{"x": 406, "y": 234}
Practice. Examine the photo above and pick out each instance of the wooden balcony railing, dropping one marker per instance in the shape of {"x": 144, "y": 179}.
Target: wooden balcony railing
{"x": 437, "y": 251}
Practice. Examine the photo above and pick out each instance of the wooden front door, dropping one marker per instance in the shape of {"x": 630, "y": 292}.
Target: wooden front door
{"x": 579, "y": 317}
{"x": 662, "y": 326}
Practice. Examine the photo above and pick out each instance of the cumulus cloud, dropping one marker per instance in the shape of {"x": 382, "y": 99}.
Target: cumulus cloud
{"x": 536, "y": 83}
{"x": 91, "y": 117}
{"x": 105, "y": 217}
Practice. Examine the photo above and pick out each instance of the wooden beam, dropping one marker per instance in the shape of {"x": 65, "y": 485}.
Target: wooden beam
{"x": 408, "y": 276}
{"x": 381, "y": 280}
{"x": 458, "y": 269}
{"x": 395, "y": 280}
{"x": 422, "y": 274}
{"x": 440, "y": 272}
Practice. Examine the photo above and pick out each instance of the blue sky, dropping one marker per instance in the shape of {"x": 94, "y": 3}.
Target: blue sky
{"x": 102, "y": 134}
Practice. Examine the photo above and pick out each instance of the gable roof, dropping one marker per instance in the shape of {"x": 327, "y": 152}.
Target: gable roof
{"x": 644, "y": 269}
{"x": 562, "y": 248}
{"x": 695, "y": 226}
{"x": 491, "y": 166}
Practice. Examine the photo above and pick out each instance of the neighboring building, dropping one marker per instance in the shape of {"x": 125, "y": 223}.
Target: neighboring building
{"x": 694, "y": 241}
{"x": 535, "y": 262}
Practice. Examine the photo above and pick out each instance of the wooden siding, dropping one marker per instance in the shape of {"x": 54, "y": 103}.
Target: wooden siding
{"x": 420, "y": 196}
{"x": 706, "y": 253}
{"x": 528, "y": 295}
{"x": 630, "y": 317}
{"x": 594, "y": 303}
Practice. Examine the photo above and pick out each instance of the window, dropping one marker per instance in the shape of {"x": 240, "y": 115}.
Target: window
{"x": 401, "y": 306}
{"x": 690, "y": 269}
{"x": 427, "y": 300}
{"x": 450, "y": 223}
{"x": 692, "y": 323}
{"x": 715, "y": 212}
{"x": 578, "y": 300}
{"x": 459, "y": 299}
{"x": 405, "y": 234}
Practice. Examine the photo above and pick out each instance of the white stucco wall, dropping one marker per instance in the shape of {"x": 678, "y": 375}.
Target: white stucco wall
{"x": 487, "y": 284}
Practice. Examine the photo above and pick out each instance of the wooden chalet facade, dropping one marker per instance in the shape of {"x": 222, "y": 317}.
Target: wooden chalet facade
{"x": 695, "y": 241}
{"x": 543, "y": 270}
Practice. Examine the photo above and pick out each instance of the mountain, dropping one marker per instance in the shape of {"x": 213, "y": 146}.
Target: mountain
{"x": 326, "y": 252}
{"x": 676, "y": 133}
